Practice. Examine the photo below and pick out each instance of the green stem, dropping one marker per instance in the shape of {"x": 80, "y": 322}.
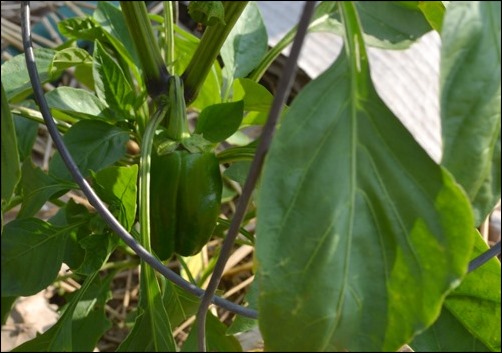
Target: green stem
{"x": 140, "y": 28}
{"x": 288, "y": 38}
{"x": 209, "y": 48}
{"x": 169, "y": 34}
{"x": 36, "y": 116}
{"x": 236, "y": 154}
{"x": 148, "y": 275}
{"x": 272, "y": 54}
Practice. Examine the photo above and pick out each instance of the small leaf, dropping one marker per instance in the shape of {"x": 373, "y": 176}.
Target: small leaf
{"x": 216, "y": 338}
{"x": 246, "y": 44}
{"x": 26, "y": 132}
{"x": 38, "y": 188}
{"x": 470, "y": 100}
{"x": 15, "y": 78}
{"x": 238, "y": 171}
{"x": 470, "y": 319}
{"x": 10, "y": 156}
{"x": 219, "y": 121}
{"x": 179, "y": 304}
{"x": 74, "y": 57}
{"x": 70, "y": 57}
{"x": 93, "y": 144}
{"x": 208, "y": 13}
{"x": 242, "y": 323}
{"x": 117, "y": 186}
{"x": 434, "y": 13}
{"x": 111, "y": 84}
{"x": 256, "y": 97}
{"x": 82, "y": 28}
{"x": 32, "y": 254}
{"x": 77, "y": 102}
{"x": 111, "y": 20}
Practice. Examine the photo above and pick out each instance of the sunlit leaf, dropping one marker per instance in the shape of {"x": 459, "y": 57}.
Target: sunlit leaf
{"x": 470, "y": 100}
{"x": 360, "y": 235}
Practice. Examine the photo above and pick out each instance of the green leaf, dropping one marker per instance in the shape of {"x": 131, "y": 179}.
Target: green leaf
{"x": 32, "y": 253}
{"x": 447, "y": 335}
{"x": 93, "y": 144}
{"x": 111, "y": 84}
{"x": 117, "y": 186}
{"x": 238, "y": 171}
{"x": 85, "y": 28}
{"x": 470, "y": 100}
{"x": 78, "y": 102}
{"x": 10, "y": 156}
{"x": 89, "y": 321}
{"x": 179, "y": 304}
{"x": 220, "y": 121}
{"x": 246, "y": 44}
{"x": 70, "y": 57}
{"x": 364, "y": 235}
{"x": 208, "y": 13}
{"x": 15, "y": 78}
{"x": 216, "y": 338}
{"x": 386, "y": 24}
{"x": 58, "y": 338}
{"x": 38, "y": 188}
{"x": 242, "y": 323}
{"x": 470, "y": 319}
{"x": 256, "y": 97}
{"x": 433, "y": 12}
{"x": 98, "y": 248}
{"x": 185, "y": 45}
{"x": 26, "y": 132}
{"x": 111, "y": 20}
{"x": 152, "y": 328}
{"x": 6, "y": 306}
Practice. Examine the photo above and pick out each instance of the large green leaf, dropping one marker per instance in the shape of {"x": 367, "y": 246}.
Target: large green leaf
{"x": 10, "y": 156}
{"x": 93, "y": 144}
{"x": 470, "y": 100}
{"x": 360, "y": 234}
{"x": 470, "y": 319}
{"x": 32, "y": 253}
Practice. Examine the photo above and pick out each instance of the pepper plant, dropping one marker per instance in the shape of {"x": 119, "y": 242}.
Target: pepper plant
{"x": 362, "y": 241}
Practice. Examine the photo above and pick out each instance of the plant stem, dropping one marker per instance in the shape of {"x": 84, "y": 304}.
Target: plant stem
{"x": 140, "y": 28}
{"x": 169, "y": 34}
{"x": 208, "y": 49}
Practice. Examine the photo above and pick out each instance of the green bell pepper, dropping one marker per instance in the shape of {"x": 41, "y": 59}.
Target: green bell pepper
{"x": 185, "y": 188}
